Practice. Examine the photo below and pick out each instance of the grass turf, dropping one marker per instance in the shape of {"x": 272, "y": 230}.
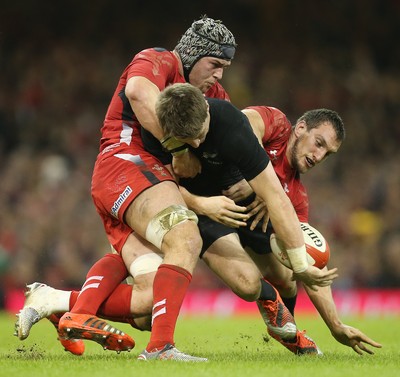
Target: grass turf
{"x": 235, "y": 346}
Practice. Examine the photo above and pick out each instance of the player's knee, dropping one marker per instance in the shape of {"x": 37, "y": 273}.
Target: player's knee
{"x": 170, "y": 218}
{"x": 286, "y": 288}
{"x": 248, "y": 287}
{"x": 186, "y": 236}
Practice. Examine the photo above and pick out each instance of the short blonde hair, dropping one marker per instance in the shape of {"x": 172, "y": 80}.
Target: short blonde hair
{"x": 181, "y": 110}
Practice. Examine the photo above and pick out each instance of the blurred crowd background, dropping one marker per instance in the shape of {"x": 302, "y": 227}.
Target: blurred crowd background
{"x": 59, "y": 65}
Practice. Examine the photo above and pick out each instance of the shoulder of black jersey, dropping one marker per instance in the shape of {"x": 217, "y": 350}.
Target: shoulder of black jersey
{"x": 218, "y": 103}
{"x": 224, "y": 115}
{"x": 213, "y": 100}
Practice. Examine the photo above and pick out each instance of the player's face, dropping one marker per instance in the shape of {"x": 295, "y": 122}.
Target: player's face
{"x": 195, "y": 142}
{"x": 207, "y": 71}
{"x": 312, "y": 146}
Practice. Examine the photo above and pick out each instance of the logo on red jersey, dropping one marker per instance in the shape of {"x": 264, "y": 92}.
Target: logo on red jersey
{"x": 121, "y": 199}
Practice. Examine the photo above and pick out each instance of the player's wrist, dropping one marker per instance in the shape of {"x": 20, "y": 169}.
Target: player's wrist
{"x": 175, "y": 147}
{"x": 196, "y": 204}
{"x": 298, "y": 258}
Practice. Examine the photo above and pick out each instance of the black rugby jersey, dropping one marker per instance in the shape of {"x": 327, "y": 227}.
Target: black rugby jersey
{"x": 229, "y": 149}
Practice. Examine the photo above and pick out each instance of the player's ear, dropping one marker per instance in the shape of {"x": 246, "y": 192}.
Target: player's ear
{"x": 300, "y": 128}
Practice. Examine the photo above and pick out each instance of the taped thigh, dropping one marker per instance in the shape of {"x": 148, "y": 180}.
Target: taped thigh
{"x": 165, "y": 220}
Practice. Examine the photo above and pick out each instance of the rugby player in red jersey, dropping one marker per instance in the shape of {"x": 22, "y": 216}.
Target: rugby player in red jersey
{"x": 133, "y": 193}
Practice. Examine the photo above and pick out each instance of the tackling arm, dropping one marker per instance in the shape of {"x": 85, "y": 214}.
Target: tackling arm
{"x": 217, "y": 208}
{"x": 142, "y": 95}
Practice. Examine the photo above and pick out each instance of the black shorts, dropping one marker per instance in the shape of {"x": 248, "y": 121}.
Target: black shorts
{"x": 255, "y": 239}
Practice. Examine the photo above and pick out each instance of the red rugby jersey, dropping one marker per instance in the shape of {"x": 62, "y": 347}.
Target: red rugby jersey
{"x": 159, "y": 66}
{"x": 275, "y": 140}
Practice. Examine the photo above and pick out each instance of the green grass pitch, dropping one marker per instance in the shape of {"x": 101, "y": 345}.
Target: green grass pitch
{"x": 235, "y": 346}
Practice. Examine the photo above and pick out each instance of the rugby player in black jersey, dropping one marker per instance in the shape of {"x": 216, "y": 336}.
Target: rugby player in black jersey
{"x": 222, "y": 138}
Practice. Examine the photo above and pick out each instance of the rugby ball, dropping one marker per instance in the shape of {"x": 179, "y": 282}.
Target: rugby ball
{"x": 318, "y": 251}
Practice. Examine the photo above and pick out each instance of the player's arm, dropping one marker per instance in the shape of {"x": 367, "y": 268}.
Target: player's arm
{"x": 347, "y": 335}
{"x": 256, "y": 123}
{"x": 142, "y": 95}
{"x": 286, "y": 225}
{"x": 217, "y": 208}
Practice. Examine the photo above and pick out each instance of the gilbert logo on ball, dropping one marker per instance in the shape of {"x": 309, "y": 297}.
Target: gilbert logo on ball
{"x": 318, "y": 251}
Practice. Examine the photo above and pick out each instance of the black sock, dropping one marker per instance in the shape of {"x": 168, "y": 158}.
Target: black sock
{"x": 267, "y": 291}
{"x": 290, "y": 303}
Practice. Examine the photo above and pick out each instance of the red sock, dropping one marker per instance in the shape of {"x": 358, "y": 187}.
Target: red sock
{"x": 169, "y": 289}
{"x": 117, "y": 307}
{"x": 118, "y": 304}
{"x": 101, "y": 280}
{"x": 73, "y": 298}
{"x": 129, "y": 320}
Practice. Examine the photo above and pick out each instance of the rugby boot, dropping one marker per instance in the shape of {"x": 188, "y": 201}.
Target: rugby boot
{"x": 301, "y": 344}
{"x": 38, "y": 305}
{"x": 169, "y": 352}
{"x": 75, "y": 346}
{"x": 90, "y": 327}
{"x": 277, "y": 317}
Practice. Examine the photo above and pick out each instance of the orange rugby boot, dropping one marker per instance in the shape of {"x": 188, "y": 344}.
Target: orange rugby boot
{"x": 75, "y": 346}
{"x": 301, "y": 344}
{"x": 90, "y": 327}
{"x": 277, "y": 317}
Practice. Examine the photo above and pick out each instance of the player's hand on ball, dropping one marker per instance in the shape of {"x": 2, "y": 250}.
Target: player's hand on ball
{"x": 317, "y": 248}
{"x": 313, "y": 277}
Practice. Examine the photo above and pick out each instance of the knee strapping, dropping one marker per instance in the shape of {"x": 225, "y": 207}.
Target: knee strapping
{"x": 165, "y": 220}
{"x": 145, "y": 264}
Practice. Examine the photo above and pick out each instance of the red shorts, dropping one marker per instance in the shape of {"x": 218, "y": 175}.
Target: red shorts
{"x": 119, "y": 176}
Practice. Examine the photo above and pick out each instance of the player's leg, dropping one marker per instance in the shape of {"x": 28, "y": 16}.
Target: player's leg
{"x": 228, "y": 259}
{"x": 142, "y": 260}
{"x": 99, "y": 283}
{"x": 278, "y": 275}
{"x": 281, "y": 278}
{"x": 138, "y": 180}
{"x": 118, "y": 305}
{"x": 76, "y": 324}
{"x": 127, "y": 303}
{"x": 139, "y": 291}
{"x": 173, "y": 229}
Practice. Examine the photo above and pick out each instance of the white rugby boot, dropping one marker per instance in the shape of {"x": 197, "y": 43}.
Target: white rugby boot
{"x": 41, "y": 301}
